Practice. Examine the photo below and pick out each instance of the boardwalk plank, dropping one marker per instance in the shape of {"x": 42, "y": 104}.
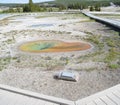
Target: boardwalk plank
{"x": 50, "y": 103}
{"x": 99, "y": 102}
{"x": 34, "y": 102}
{"x": 102, "y": 98}
{"x": 91, "y": 103}
{"x": 115, "y": 92}
{"x": 9, "y": 98}
{"x": 110, "y": 96}
{"x": 20, "y": 100}
{"x": 107, "y": 101}
{"x": 39, "y": 97}
{"x": 114, "y": 98}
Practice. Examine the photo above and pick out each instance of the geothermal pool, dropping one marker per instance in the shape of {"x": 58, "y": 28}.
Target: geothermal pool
{"x": 41, "y": 25}
{"x": 40, "y": 46}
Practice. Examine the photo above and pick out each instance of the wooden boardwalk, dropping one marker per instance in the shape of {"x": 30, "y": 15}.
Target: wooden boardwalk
{"x": 9, "y": 98}
{"x": 14, "y": 96}
{"x": 110, "y": 22}
{"x": 110, "y": 96}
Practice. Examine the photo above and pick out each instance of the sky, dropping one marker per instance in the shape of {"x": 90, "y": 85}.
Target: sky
{"x": 21, "y": 1}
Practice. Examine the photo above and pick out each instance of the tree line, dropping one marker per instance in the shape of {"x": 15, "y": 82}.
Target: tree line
{"x": 64, "y": 4}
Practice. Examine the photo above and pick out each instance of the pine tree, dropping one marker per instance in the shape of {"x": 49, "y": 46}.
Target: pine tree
{"x": 30, "y": 2}
{"x": 31, "y": 5}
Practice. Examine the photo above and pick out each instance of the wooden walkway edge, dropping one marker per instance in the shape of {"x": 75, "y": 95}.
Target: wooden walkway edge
{"x": 6, "y": 90}
{"x": 14, "y": 96}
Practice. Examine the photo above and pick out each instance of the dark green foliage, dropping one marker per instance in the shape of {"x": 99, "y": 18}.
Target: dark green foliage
{"x": 4, "y": 62}
{"x": 31, "y": 7}
{"x": 77, "y": 6}
{"x": 114, "y": 66}
{"x": 97, "y": 8}
{"x": 94, "y": 38}
{"x": 111, "y": 55}
{"x": 91, "y": 8}
{"x": 26, "y": 8}
{"x": 50, "y": 10}
{"x": 61, "y": 7}
{"x": 81, "y": 4}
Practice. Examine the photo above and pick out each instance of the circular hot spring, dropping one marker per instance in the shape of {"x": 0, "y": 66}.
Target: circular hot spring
{"x": 42, "y": 46}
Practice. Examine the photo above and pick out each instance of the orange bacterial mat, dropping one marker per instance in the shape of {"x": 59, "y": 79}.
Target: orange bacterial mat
{"x": 53, "y": 46}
